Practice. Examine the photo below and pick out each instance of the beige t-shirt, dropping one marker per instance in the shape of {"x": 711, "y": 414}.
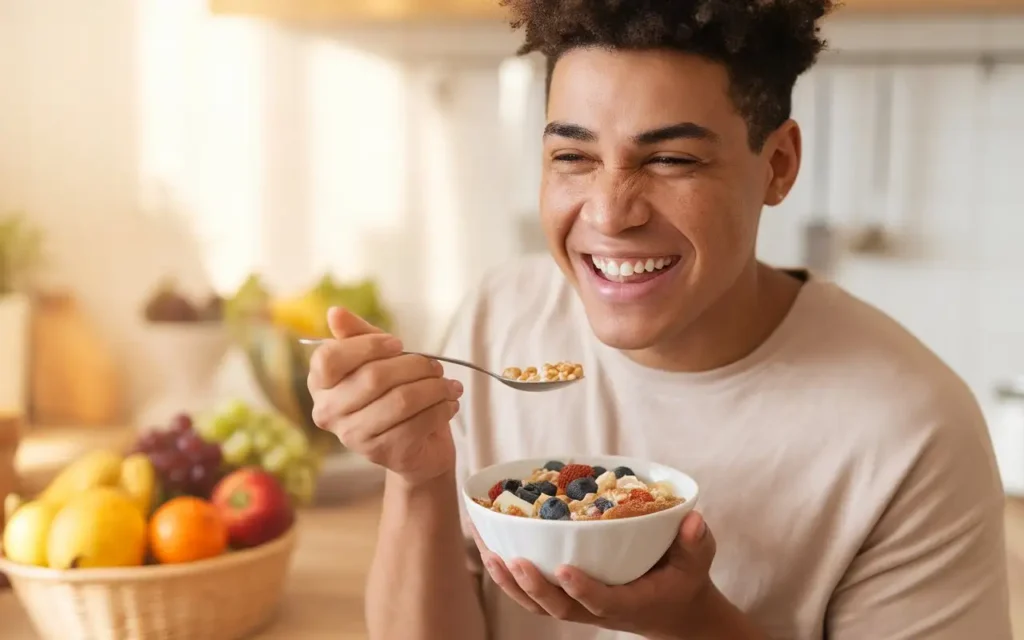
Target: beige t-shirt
{"x": 846, "y": 472}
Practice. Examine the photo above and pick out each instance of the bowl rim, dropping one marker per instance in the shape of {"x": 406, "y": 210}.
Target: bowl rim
{"x": 17, "y": 571}
{"x": 687, "y": 505}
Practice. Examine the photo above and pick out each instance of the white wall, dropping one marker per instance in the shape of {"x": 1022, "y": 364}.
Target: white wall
{"x": 150, "y": 138}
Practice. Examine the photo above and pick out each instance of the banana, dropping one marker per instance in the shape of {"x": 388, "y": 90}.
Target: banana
{"x": 138, "y": 480}
{"x": 94, "y": 469}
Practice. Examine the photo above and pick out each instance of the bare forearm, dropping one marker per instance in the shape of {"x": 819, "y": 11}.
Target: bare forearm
{"x": 419, "y": 586}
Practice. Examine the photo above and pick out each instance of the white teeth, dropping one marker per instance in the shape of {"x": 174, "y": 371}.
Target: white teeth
{"x": 624, "y": 269}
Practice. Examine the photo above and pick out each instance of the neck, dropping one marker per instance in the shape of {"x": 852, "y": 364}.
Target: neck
{"x": 731, "y": 329}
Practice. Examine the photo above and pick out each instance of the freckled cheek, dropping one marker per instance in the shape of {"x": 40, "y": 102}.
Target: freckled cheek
{"x": 706, "y": 218}
{"x": 560, "y": 204}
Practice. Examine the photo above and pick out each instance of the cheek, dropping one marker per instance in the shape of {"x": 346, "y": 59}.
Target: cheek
{"x": 559, "y": 205}
{"x": 712, "y": 218}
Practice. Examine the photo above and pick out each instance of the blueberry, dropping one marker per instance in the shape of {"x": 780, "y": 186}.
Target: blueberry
{"x": 580, "y": 487}
{"x": 623, "y": 471}
{"x": 554, "y": 509}
{"x": 553, "y": 465}
{"x": 598, "y": 471}
{"x": 542, "y": 487}
{"x": 510, "y": 485}
{"x": 525, "y": 494}
{"x": 603, "y": 504}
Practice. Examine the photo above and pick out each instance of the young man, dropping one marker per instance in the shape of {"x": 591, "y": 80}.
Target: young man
{"x": 846, "y": 472}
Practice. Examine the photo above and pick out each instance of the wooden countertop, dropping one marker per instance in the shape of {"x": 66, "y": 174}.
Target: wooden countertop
{"x": 324, "y": 596}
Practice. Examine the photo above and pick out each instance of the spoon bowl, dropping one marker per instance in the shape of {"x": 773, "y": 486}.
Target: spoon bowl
{"x": 539, "y": 386}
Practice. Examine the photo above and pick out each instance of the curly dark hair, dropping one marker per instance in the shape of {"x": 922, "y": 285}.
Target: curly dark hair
{"x": 764, "y": 44}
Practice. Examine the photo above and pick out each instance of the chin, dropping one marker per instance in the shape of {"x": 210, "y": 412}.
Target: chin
{"x": 625, "y": 334}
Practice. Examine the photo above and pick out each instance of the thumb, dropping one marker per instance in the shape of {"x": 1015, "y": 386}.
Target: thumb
{"x": 695, "y": 546}
{"x": 345, "y": 324}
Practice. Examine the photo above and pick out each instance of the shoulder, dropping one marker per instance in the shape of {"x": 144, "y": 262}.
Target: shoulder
{"x": 919, "y": 430}
{"x": 867, "y": 355}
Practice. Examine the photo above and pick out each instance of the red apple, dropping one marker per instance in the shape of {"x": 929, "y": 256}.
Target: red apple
{"x": 254, "y": 505}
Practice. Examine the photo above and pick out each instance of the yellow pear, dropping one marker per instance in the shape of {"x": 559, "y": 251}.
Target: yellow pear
{"x": 138, "y": 480}
{"x": 27, "y": 532}
{"x": 94, "y": 469}
{"x": 100, "y": 527}
{"x": 12, "y": 503}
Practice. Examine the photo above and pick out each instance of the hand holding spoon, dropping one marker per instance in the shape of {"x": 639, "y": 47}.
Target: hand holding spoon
{"x": 537, "y": 385}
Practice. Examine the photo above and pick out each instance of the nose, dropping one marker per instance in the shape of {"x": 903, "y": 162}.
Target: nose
{"x": 614, "y": 203}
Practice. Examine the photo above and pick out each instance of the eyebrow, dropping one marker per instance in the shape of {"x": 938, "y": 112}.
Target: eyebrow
{"x": 679, "y": 131}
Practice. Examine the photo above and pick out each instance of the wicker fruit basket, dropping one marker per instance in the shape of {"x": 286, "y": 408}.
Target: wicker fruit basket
{"x": 224, "y": 598}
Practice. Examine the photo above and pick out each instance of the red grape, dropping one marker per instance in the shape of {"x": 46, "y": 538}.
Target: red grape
{"x": 181, "y": 423}
{"x": 163, "y": 460}
{"x": 167, "y": 460}
{"x": 192, "y": 445}
{"x": 212, "y": 455}
{"x": 178, "y": 476}
{"x": 202, "y": 480}
{"x": 149, "y": 441}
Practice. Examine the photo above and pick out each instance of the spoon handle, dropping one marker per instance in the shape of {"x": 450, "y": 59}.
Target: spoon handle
{"x": 461, "y": 363}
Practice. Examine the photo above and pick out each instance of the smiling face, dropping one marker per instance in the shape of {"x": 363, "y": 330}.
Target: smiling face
{"x": 651, "y": 194}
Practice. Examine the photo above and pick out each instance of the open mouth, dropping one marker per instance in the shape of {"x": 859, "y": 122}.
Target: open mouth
{"x": 630, "y": 270}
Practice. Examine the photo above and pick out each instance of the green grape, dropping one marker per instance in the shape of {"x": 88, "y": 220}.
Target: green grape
{"x": 278, "y": 425}
{"x": 296, "y": 443}
{"x": 300, "y": 484}
{"x": 276, "y": 460}
{"x": 263, "y": 440}
{"x": 217, "y": 428}
{"x": 236, "y": 412}
{"x": 237, "y": 449}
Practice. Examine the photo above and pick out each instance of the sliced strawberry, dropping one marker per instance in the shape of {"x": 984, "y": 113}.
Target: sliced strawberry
{"x": 495, "y": 490}
{"x": 572, "y": 471}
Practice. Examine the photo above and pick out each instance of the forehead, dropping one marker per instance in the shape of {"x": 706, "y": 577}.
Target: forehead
{"x": 617, "y": 92}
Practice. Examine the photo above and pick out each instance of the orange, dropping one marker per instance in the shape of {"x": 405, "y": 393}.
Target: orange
{"x": 187, "y": 529}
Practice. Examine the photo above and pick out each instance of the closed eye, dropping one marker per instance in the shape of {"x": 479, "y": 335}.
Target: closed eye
{"x": 672, "y": 161}
{"x": 568, "y": 157}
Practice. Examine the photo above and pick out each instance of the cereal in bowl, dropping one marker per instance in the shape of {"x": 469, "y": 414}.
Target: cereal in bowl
{"x": 559, "y": 491}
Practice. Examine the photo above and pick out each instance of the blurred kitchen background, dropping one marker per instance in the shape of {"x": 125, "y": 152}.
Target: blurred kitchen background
{"x": 195, "y": 144}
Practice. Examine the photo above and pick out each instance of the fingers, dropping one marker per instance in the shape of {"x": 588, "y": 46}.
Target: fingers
{"x": 403, "y": 403}
{"x": 371, "y": 381}
{"x": 698, "y": 540}
{"x": 402, "y": 446}
{"x": 334, "y": 360}
{"x": 695, "y": 547}
{"x": 551, "y": 598}
{"x": 599, "y": 599}
{"x": 502, "y": 577}
{"x": 345, "y": 324}
{"x": 394, "y": 408}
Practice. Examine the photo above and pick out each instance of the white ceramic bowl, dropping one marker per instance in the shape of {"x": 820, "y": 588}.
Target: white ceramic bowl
{"x": 611, "y": 551}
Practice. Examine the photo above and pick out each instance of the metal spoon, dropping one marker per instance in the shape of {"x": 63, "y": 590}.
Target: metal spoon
{"x": 540, "y": 385}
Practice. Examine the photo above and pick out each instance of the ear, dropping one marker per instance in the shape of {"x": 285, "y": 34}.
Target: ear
{"x": 783, "y": 150}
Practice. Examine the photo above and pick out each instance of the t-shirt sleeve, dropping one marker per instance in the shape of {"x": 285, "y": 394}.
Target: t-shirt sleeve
{"x": 934, "y": 566}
